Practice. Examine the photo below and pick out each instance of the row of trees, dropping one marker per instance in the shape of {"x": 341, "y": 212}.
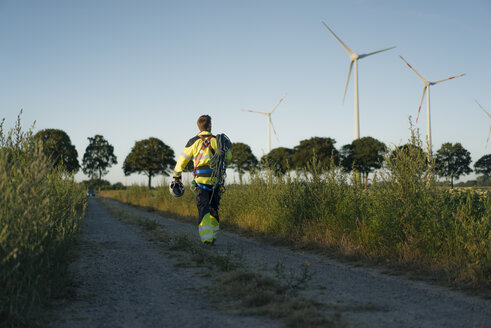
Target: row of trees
{"x": 98, "y": 156}
{"x": 153, "y": 157}
{"x": 150, "y": 156}
{"x": 363, "y": 155}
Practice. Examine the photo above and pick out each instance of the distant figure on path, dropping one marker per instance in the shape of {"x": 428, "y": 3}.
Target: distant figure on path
{"x": 208, "y": 153}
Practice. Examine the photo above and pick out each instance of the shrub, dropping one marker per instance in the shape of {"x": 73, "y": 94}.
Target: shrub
{"x": 40, "y": 211}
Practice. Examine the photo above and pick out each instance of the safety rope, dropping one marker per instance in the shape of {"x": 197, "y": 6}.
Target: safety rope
{"x": 217, "y": 162}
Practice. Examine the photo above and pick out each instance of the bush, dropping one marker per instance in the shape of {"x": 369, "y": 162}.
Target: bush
{"x": 40, "y": 211}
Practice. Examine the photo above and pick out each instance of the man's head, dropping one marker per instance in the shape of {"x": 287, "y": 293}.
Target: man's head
{"x": 204, "y": 123}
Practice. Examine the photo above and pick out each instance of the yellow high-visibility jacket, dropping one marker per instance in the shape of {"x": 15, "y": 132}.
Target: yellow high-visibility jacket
{"x": 191, "y": 152}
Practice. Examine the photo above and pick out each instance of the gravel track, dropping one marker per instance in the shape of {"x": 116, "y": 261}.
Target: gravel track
{"x": 126, "y": 281}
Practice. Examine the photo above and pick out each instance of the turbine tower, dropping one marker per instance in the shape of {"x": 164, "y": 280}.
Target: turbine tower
{"x": 426, "y": 87}
{"x": 489, "y": 115}
{"x": 354, "y": 60}
{"x": 270, "y": 122}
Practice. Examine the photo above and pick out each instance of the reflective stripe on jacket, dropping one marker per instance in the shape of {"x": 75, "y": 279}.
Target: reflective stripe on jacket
{"x": 191, "y": 152}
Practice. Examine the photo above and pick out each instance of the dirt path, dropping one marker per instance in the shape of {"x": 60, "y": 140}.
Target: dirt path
{"x": 126, "y": 281}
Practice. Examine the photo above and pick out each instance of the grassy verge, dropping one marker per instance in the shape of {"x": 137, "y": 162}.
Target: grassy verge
{"x": 236, "y": 288}
{"x": 403, "y": 219}
{"x": 374, "y": 225}
{"x": 40, "y": 211}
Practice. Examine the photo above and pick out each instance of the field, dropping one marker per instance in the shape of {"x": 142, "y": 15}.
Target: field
{"x": 402, "y": 219}
{"x": 40, "y": 211}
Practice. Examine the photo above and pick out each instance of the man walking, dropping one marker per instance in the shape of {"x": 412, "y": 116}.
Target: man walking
{"x": 202, "y": 149}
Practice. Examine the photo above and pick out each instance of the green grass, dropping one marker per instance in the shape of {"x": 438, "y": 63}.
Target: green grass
{"x": 40, "y": 211}
{"x": 402, "y": 219}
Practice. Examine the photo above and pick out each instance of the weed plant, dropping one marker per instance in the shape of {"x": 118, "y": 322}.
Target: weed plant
{"x": 40, "y": 212}
{"x": 402, "y": 218}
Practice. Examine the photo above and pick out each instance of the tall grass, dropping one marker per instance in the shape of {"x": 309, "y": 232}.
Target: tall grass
{"x": 40, "y": 211}
{"x": 401, "y": 218}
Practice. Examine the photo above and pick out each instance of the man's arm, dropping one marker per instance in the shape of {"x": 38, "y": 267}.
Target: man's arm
{"x": 185, "y": 156}
{"x": 182, "y": 161}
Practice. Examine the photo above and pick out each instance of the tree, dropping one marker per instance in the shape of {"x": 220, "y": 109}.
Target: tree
{"x": 363, "y": 155}
{"x": 279, "y": 160}
{"x": 58, "y": 147}
{"x": 151, "y": 157}
{"x": 483, "y": 165}
{"x": 322, "y": 149}
{"x": 99, "y": 155}
{"x": 243, "y": 160}
{"x": 118, "y": 186}
{"x": 483, "y": 180}
{"x": 92, "y": 183}
{"x": 408, "y": 150}
{"x": 452, "y": 160}
{"x": 409, "y": 158}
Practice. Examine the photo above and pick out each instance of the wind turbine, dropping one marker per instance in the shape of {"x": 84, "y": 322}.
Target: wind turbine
{"x": 489, "y": 115}
{"x": 270, "y": 122}
{"x": 354, "y": 59}
{"x": 427, "y": 88}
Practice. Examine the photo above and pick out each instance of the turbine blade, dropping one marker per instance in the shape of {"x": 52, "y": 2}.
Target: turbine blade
{"x": 376, "y": 52}
{"x": 489, "y": 134}
{"x": 347, "y": 80}
{"x": 253, "y": 111}
{"x": 420, "y": 76}
{"x": 421, "y": 102}
{"x": 339, "y": 40}
{"x": 485, "y": 111}
{"x": 272, "y": 125}
{"x": 276, "y": 106}
{"x": 450, "y": 78}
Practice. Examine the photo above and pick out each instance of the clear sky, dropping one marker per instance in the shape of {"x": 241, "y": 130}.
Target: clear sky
{"x": 131, "y": 70}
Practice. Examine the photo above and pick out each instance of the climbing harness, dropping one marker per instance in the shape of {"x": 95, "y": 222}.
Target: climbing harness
{"x": 216, "y": 169}
{"x": 206, "y": 144}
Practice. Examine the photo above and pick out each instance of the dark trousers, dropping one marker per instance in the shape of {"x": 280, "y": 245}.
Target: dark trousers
{"x": 204, "y": 204}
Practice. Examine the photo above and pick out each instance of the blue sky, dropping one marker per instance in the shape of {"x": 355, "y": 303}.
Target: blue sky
{"x": 130, "y": 70}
